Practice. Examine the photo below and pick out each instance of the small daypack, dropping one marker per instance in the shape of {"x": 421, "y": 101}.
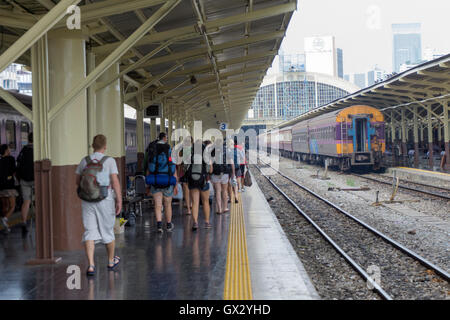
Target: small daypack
{"x": 221, "y": 168}
{"x": 197, "y": 171}
{"x": 90, "y": 189}
{"x": 25, "y": 164}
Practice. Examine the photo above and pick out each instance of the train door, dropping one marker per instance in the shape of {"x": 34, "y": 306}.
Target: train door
{"x": 361, "y": 134}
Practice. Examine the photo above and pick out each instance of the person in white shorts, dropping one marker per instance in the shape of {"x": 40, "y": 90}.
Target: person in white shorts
{"x": 99, "y": 217}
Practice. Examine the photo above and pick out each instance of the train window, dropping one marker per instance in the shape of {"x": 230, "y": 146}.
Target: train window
{"x": 11, "y": 134}
{"x": 24, "y": 130}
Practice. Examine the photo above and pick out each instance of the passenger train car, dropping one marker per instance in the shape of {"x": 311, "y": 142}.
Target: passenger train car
{"x": 14, "y": 129}
{"x": 354, "y": 136}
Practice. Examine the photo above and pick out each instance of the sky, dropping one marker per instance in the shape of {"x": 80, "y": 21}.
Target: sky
{"x": 362, "y": 28}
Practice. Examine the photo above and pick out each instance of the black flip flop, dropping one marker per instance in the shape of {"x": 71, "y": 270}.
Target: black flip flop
{"x": 116, "y": 258}
{"x": 90, "y": 273}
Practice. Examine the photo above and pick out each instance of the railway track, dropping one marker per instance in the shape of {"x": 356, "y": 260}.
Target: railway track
{"x": 402, "y": 270}
{"x": 439, "y": 192}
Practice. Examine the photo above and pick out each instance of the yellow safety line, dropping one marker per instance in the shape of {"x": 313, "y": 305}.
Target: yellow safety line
{"x": 237, "y": 275}
{"x": 427, "y": 171}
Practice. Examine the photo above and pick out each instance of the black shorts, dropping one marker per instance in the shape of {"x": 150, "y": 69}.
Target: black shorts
{"x": 242, "y": 168}
{"x": 205, "y": 187}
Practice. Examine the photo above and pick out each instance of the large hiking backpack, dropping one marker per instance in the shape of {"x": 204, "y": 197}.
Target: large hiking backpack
{"x": 25, "y": 164}
{"x": 221, "y": 168}
{"x": 160, "y": 166}
{"x": 197, "y": 170}
{"x": 91, "y": 189}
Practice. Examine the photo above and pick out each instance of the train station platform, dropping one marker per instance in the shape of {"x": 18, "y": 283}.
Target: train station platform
{"x": 434, "y": 178}
{"x": 246, "y": 255}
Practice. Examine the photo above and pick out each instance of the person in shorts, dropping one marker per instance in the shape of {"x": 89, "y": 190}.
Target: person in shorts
{"x": 99, "y": 217}
{"x": 25, "y": 173}
{"x": 8, "y": 193}
{"x": 200, "y": 193}
{"x": 220, "y": 177}
{"x": 164, "y": 195}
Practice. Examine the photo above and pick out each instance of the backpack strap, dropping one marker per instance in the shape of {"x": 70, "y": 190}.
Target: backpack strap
{"x": 88, "y": 160}
{"x": 103, "y": 160}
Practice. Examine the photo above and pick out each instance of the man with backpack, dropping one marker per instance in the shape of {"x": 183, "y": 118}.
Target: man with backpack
{"x": 99, "y": 188}
{"x": 25, "y": 173}
{"x": 197, "y": 177}
{"x": 162, "y": 178}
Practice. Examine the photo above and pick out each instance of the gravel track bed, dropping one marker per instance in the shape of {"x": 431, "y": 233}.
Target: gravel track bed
{"x": 437, "y": 190}
{"x": 332, "y": 276}
{"x": 422, "y": 226}
{"x": 401, "y": 276}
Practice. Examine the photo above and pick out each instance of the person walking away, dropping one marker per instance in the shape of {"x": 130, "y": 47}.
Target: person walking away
{"x": 235, "y": 171}
{"x": 98, "y": 185}
{"x": 220, "y": 176}
{"x": 162, "y": 178}
{"x": 25, "y": 174}
{"x": 7, "y": 191}
{"x": 186, "y": 154}
{"x": 198, "y": 185}
{"x": 240, "y": 159}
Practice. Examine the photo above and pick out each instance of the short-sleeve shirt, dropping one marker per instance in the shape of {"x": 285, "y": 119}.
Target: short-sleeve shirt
{"x": 109, "y": 166}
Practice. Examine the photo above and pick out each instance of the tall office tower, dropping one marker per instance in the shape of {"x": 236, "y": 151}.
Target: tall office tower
{"x": 321, "y": 55}
{"x": 360, "y": 80}
{"x": 340, "y": 63}
{"x": 407, "y": 47}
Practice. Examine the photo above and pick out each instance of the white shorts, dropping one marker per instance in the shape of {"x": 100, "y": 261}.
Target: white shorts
{"x": 220, "y": 178}
{"x": 98, "y": 220}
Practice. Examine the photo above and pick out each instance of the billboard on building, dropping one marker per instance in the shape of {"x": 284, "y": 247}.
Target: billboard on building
{"x": 321, "y": 55}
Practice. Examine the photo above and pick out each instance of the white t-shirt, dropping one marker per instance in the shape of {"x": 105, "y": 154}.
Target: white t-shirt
{"x": 109, "y": 167}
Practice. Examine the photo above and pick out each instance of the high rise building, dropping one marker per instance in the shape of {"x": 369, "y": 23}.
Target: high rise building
{"x": 407, "y": 46}
{"x": 321, "y": 55}
{"x": 340, "y": 63}
{"x": 292, "y": 62}
{"x": 360, "y": 80}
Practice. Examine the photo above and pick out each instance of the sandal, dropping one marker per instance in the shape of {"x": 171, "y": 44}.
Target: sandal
{"x": 90, "y": 273}
{"x": 115, "y": 262}
{"x": 195, "y": 226}
{"x": 208, "y": 225}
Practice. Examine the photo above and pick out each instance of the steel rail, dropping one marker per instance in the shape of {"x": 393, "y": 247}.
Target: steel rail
{"x": 443, "y": 196}
{"x": 399, "y": 246}
{"x": 352, "y": 262}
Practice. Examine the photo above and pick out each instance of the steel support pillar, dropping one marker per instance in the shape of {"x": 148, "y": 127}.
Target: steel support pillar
{"x": 430, "y": 136}
{"x": 91, "y": 101}
{"x": 153, "y": 131}
{"x": 446, "y": 109}
{"x": 404, "y": 134}
{"x": 140, "y": 134}
{"x": 416, "y": 138}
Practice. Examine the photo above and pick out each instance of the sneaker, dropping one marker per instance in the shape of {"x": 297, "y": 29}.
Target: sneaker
{"x": 4, "y": 223}
{"x": 159, "y": 226}
{"x": 170, "y": 226}
{"x": 208, "y": 225}
{"x": 195, "y": 226}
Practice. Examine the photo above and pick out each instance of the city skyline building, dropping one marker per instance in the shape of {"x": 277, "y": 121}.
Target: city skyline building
{"x": 16, "y": 77}
{"x": 407, "y": 44}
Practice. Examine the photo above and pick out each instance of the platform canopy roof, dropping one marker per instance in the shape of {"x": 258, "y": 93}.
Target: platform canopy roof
{"x": 207, "y": 57}
{"x": 425, "y": 84}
